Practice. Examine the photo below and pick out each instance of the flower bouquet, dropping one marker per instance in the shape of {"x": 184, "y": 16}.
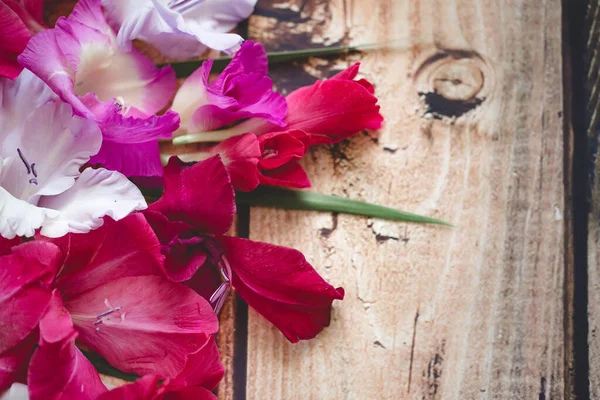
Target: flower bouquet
{"x": 118, "y": 186}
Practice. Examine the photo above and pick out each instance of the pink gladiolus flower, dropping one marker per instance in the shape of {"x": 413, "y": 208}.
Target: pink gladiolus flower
{"x": 121, "y": 92}
{"x": 107, "y": 289}
{"x": 276, "y": 281}
{"x": 19, "y": 21}
{"x": 242, "y": 90}
{"x": 179, "y": 28}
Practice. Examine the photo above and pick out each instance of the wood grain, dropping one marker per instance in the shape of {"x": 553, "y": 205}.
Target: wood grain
{"x": 473, "y": 135}
{"x": 592, "y": 115}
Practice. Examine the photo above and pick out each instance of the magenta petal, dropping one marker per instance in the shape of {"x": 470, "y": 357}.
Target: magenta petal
{"x": 251, "y": 57}
{"x": 132, "y": 160}
{"x": 289, "y": 175}
{"x": 128, "y": 247}
{"x": 7, "y": 244}
{"x": 281, "y": 285}
{"x": 144, "y": 388}
{"x": 14, "y": 36}
{"x": 24, "y": 293}
{"x": 56, "y": 324}
{"x": 200, "y": 195}
{"x": 13, "y": 363}
{"x": 143, "y": 324}
{"x": 60, "y": 371}
{"x": 182, "y": 249}
{"x": 203, "y": 368}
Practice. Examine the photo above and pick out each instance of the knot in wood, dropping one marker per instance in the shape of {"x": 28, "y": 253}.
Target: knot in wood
{"x": 457, "y": 79}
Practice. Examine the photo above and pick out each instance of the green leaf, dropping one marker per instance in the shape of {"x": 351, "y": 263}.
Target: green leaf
{"x": 103, "y": 367}
{"x": 186, "y": 68}
{"x": 269, "y": 196}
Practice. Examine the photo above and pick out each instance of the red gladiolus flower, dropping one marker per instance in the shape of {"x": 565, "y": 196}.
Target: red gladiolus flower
{"x": 328, "y": 111}
{"x": 270, "y": 159}
{"x": 107, "y": 289}
{"x": 190, "y": 218}
{"x": 19, "y": 21}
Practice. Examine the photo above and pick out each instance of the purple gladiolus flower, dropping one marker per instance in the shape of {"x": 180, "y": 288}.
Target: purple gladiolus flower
{"x": 242, "y": 90}
{"x": 121, "y": 92}
{"x": 179, "y": 28}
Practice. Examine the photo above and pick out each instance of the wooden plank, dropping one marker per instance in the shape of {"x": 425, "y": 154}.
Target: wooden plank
{"x": 471, "y": 312}
{"x": 592, "y": 117}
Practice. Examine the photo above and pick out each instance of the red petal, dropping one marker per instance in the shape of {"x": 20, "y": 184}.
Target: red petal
{"x": 56, "y": 324}
{"x": 289, "y": 175}
{"x": 280, "y": 284}
{"x": 277, "y": 148}
{"x": 144, "y": 325}
{"x": 200, "y": 195}
{"x": 190, "y": 393}
{"x": 240, "y": 154}
{"x": 24, "y": 294}
{"x": 333, "y": 109}
{"x": 60, "y": 371}
{"x": 128, "y": 247}
{"x": 350, "y": 73}
{"x": 14, "y": 36}
{"x": 180, "y": 246}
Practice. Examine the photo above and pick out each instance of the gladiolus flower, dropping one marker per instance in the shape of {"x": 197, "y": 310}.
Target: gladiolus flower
{"x": 270, "y": 159}
{"x": 107, "y": 289}
{"x": 41, "y": 185}
{"x": 276, "y": 281}
{"x": 121, "y": 92}
{"x": 242, "y": 90}
{"x": 179, "y": 28}
{"x": 19, "y": 21}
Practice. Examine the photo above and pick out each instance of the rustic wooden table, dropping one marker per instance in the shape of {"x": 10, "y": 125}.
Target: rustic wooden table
{"x": 478, "y": 132}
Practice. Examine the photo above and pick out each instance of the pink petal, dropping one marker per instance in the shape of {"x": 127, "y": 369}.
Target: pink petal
{"x": 117, "y": 249}
{"x": 200, "y": 195}
{"x": 203, "y": 368}
{"x": 144, "y": 388}
{"x": 241, "y": 155}
{"x": 278, "y": 148}
{"x": 281, "y": 285}
{"x": 24, "y": 294}
{"x": 56, "y": 324}
{"x": 144, "y": 324}
{"x": 60, "y": 371}
{"x": 14, "y": 36}
{"x": 181, "y": 247}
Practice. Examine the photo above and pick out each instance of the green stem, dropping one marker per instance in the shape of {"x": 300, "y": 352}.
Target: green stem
{"x": 186, "y": 68}
{"x": 300, "y": 200}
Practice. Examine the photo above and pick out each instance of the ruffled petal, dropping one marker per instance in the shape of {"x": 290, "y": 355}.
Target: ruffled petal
{"x": 19, "y": 218}
{"x": 200, "y": 195}
{"x": 96, "y": 193}
{"x": 179, "y": 32}
{"x": 281, "y": 285}
{"x": 115, "y": 250}
{"x": 143, "y": 324}
{"x": 24, "y": 293}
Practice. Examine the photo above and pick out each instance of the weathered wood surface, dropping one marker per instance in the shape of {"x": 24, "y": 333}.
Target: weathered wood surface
{"x": 592, "y": 116}
{"x": 472, "y": 312}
